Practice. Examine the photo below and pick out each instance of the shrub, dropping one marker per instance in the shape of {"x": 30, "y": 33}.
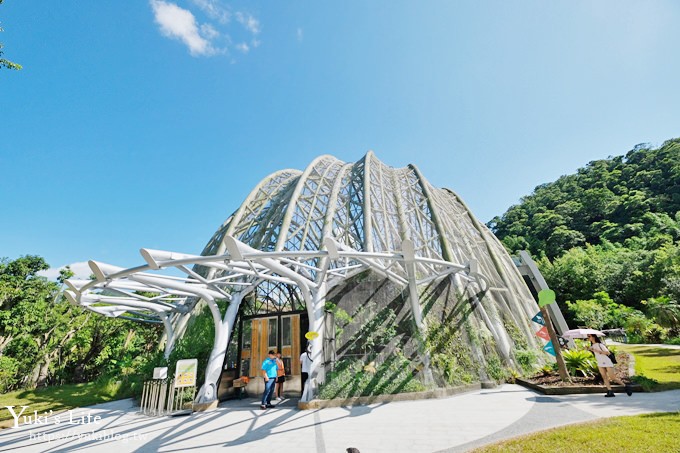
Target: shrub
{"x": 450, "y": 354}
{"x": 589, "y": 313}
{"x": 674, "y": 340}
{"x": 511, "y": 375}
{"x": 494, "y": 368}
{"x": 526, "y": 359}
{"x": 8, "y": 373}
{"x": 636, "y": 326}
{"x": 350, "y": 378}
{"x": 647, "y": 384}
{"x": 654, "y": 333}
{"x": 579, "y": 361}
{"x": 517, "y": 336}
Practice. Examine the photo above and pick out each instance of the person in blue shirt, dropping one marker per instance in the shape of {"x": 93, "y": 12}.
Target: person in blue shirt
{"x": 269, "y": 372}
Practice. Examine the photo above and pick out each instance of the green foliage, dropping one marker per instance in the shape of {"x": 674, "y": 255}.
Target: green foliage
{"x": 47, "y": 342}
{"x": 511, "y": 375}
{"x": 548, "y": 369}
{"x": 351, "y": 378}
{"x": 449, "y": 353}
{"x": 518, "y": 338}
{"x": 641, "y": 329}
{"x": 588, "y": 313}
{"x": 601, "y": 312}
{"x": 8, "y": 372}
{"x": 612, "y": 227}
{"x": 3, "y": 62}
{"x": 580, "y": 361}
{"x": 379, "y": 330}
{"x": 673, "y": 341}
{"x": 527, "y": 359}
{"x": 495, "y": 369}
{"x": 647, "y": 384}
{"x": 615, "y": 199}
{"x": 665, "y": 311}
{"x": 342, "y": 318}
{"x": 196, "y": 343}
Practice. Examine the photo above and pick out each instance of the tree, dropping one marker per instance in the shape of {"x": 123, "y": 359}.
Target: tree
{"x": 616, "y": 199}
{"x": 6, "y": 63}
{"x": 45, "y": 341}
{"x": 666, "y": 312}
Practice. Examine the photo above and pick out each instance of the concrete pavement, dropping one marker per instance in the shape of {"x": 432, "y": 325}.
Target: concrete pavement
{"x": 457, "y": 423}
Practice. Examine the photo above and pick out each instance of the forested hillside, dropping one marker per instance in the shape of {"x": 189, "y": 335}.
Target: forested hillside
{"x": 617, "y": 199}
{"x": 607, "y": 240}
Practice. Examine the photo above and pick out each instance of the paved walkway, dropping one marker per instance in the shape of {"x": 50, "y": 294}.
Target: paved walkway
{"x": 453, "y": 424}
{"x": 667, "y": 346}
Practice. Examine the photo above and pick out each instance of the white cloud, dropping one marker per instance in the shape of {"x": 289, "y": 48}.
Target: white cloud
{"x": 210, "y": 32}
{"x": 80, "y": 269}
{"x": 249, "y": 22}
{"x": 179, "y": 23}
{"x": 214, "y": 10}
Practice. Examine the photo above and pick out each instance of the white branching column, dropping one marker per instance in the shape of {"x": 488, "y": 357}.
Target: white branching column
{"x": 223, "y": 331}
{"x": 409, "y": 262}
{"x": 317, "y": 371}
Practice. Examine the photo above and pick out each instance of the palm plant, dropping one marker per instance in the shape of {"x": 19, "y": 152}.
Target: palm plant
{"x": 579, "y": 361}
{"x": 665, "y": 311}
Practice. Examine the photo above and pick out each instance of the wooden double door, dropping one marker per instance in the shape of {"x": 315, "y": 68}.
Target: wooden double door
{"x": 281, "y": 333}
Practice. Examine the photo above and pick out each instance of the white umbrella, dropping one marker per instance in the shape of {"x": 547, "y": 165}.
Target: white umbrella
{"x": 581, "y": 333}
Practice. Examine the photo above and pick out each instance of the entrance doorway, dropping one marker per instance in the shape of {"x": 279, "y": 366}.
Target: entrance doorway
{"x": 282, "y": 332}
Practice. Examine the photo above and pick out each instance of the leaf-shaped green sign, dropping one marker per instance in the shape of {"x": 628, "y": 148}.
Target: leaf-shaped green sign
{"x": 545, "y": 297}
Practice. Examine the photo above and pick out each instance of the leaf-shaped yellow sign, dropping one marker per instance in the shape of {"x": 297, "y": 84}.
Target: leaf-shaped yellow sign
{"x": 311, "y": 335}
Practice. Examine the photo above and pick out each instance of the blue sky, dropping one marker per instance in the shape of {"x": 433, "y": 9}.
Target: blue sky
{"x": 145, "y": 124}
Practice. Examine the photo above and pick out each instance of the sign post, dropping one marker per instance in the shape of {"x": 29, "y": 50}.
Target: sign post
{"x": 185, "y": 373}
{"x": 546, "y": 297}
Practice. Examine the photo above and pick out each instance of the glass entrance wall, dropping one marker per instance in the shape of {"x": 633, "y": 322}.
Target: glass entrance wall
{"x": 287, "y": 342}
{"x": 246, "y": 342}
{"x": 273, "y": 297}
{"x": 279, "y": 333}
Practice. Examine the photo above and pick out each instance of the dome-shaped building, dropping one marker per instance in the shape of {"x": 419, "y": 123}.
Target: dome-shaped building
{"x": 397, "y": 279}
{"x": 370, "y": 207}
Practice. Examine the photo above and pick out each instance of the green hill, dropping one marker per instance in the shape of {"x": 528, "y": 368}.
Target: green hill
{"x": 618, "y": 199}
{"x": 607, "y": 240}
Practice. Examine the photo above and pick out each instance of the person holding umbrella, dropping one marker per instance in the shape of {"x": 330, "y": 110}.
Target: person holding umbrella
{"x": 605, "y": 365}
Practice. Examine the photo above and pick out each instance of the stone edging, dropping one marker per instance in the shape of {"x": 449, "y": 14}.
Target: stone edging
{"x": 574, "y": 390}
{"x": 631, "y": 364}
{"x": 375, "y": 399}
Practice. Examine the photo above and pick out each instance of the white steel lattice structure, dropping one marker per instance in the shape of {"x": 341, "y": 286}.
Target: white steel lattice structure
{"x": 298, "y": 235}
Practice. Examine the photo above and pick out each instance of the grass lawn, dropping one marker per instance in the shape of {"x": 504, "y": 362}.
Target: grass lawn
{"x": 641, "y": 433}
{"x": 59, "y": 398}
{"x": 658, "y": 364}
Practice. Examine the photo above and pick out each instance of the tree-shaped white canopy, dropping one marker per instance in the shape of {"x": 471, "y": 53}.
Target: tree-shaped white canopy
{"x": 312, "y": 230}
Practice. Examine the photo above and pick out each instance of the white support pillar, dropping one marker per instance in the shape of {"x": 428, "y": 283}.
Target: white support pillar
{"x": 170, "y": 335}
{"x": 223, "y": 330}
{"x": 409, "y": 263}
{"x": 316, "y": 313}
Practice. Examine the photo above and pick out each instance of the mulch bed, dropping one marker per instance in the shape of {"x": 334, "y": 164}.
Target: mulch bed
{"x": 553, "y": 379}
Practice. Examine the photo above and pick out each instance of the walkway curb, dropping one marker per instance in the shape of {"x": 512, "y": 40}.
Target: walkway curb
{"x": 575, "y": 390}
{"x": 376, "y": 399}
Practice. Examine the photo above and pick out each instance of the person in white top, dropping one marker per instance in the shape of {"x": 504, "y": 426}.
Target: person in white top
{"x": 605, "y": 365}
{"x": 306, "y": 364}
